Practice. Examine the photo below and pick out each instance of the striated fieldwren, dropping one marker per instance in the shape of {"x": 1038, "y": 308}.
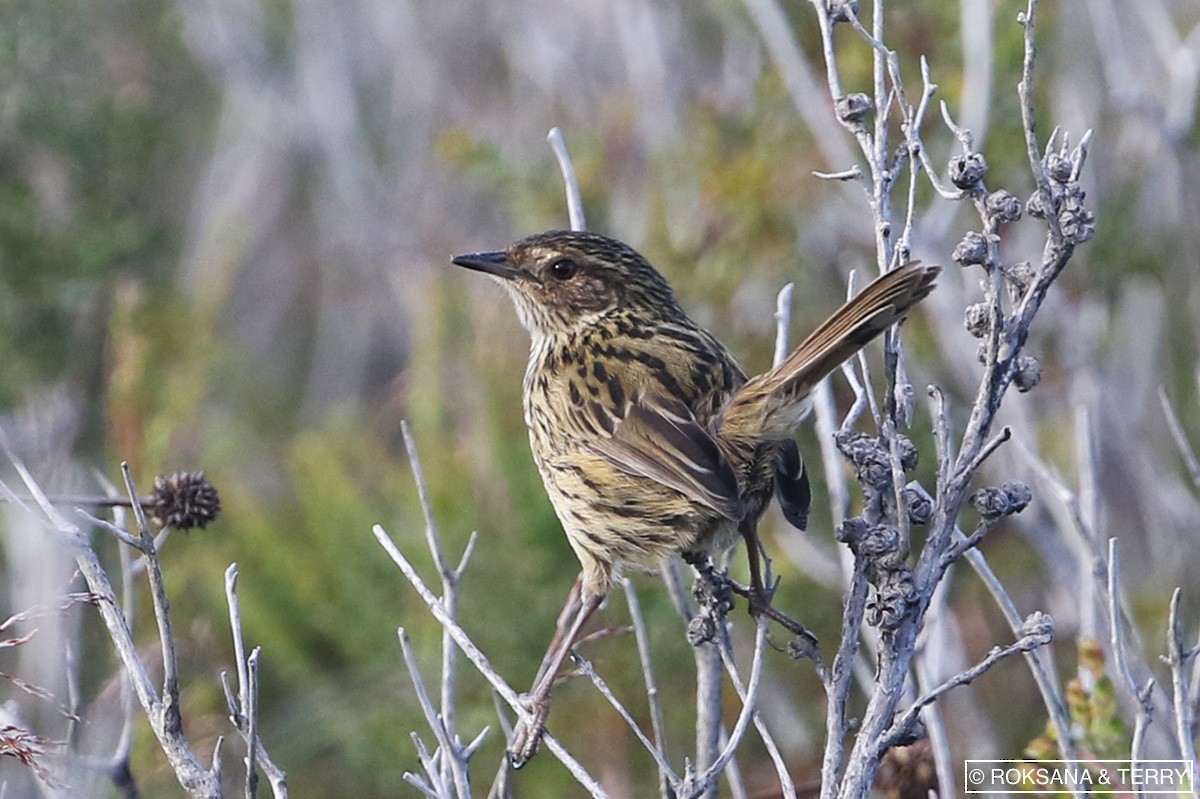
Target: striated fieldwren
{"x": 648, "y": 436}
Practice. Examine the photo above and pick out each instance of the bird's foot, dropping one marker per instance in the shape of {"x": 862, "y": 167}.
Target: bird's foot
{"x": 527, "y": 737}
{"x": 713, "y": 591}
{"x": 759, "y": 600}
{"x": 714, "y": 599}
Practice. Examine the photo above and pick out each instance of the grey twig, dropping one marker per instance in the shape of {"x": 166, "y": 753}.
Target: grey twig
{"x": 480, "y": 660}
{"x": 783, "y": 319}
{"x": 1180, "y": 437}
{"x": 1027, "y": 20}
{"x": 454, "y": 761}
{"x": 160, "y": 603}
{"x": 1143, "y": 695}
{"x": 1180, "y": 658}
{"x": 239, "y": 645}
{"x": 657, "y": 725}
{"x": 786, "y": 783}
{"x": 853, "y": 173}
{"x": 664, "y": 768}
{"x": 701, "y": 783}
{"x": 1040, "y": 663}
{"x": 436, "y": 723}
{"x": 838, "y": 680}
{"x": 195, "y": 779}
{"x": 805, "y": 90}
{"x": 904, "y": 722}
{"x": 243, "y": 703}
{"x": 574, "y": 198}
{"x": 251, "y": 711}
{"x": 935, "y": 726}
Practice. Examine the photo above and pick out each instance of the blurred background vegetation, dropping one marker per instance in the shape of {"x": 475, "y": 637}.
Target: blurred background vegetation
{"x": 224, "y": 240}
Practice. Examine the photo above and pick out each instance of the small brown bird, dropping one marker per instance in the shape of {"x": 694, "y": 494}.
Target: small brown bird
{"x": 649, "y": 438}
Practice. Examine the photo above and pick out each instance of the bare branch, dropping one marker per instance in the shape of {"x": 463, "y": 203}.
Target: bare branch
{"x": 1180, "y": 438}
{"x": 783, "y": 318}
{"x": 574, "y": 198}
{"x": 1026, "y": 643}
{"x": 1142, "y": 695}
{"x": 1179, "y": 658}
{"x": 243, "y": 702}
{"x": 664, "y": 767}
{"x": 657, "y": 725}
{"x": 480, "y": 660}
{"x": 786, "y": 783}
{"x": 448, "y": 749}
{"x": 454, "y": 761}
{"x": 714, "y": 770}
{"x": 251, "y": 711}
{"x": 853, "y": 173}
{"x": 194, "y": 778}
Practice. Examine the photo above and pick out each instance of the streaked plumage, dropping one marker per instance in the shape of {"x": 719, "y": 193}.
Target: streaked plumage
{"x": 648, "y": 436}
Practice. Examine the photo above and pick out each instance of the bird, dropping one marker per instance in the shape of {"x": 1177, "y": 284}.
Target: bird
{"x": 650, "y": 438}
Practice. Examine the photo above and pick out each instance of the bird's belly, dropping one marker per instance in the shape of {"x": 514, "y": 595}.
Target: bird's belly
{"x": 619, "y": 518}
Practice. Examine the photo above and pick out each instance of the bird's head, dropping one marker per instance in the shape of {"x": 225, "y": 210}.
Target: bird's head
{"x": 564, "y": 281}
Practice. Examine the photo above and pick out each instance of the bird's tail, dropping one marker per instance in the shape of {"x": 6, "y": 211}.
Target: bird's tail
{"x": 771, "y": 405}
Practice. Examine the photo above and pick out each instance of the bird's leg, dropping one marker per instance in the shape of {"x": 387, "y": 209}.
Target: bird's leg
{"x": 528, "y": 734}
{"x": 758, "y": 595}
{"x": 565, "y": 616}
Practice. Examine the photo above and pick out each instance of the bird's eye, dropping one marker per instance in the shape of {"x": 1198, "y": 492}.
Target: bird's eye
{"x": 564, "y": 268}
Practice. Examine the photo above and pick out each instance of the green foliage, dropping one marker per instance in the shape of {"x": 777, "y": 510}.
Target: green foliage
{"x": 88, "y": 134}
{"x": 1092, "y": 706}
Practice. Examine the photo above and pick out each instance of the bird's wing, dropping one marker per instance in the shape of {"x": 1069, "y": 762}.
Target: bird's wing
{"x": 659, "y": 438}
{"x": 791, "y": 485}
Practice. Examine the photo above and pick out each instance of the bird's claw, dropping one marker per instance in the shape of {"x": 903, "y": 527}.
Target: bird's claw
{"x": 527, "y": 737}
{"x": 805, "y": 645}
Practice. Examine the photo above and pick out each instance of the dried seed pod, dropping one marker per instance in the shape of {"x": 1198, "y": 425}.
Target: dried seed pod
{"x": 871, "y": 461}
{"x": 854, "y": 107}
{"x": 976, "y": 319}
{"x": 920, "y": 509}
{"x": 990, "y": 503}
{"x": 1059, "y": 167}
{"x": 967, "y": 170}
{"x": 1037, "y": 205}
{"x": 184, "y": 500}
{"x": 972, "y": 250}
{"x": 1028, "y": 374}
{"x": 893, "y": 597}
{"x": 997, "y": 501}
{"x": 1003, "y": 206}
{"x": 1077, "y": 222}
{"x": 1019, "y": 495}
{"x": 877, "y": 541}
{"x": 851, "y": 530}
{"x": 1038, "y": 625}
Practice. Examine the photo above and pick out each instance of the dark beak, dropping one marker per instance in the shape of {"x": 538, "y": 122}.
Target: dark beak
{"x": 493, "y": 263}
